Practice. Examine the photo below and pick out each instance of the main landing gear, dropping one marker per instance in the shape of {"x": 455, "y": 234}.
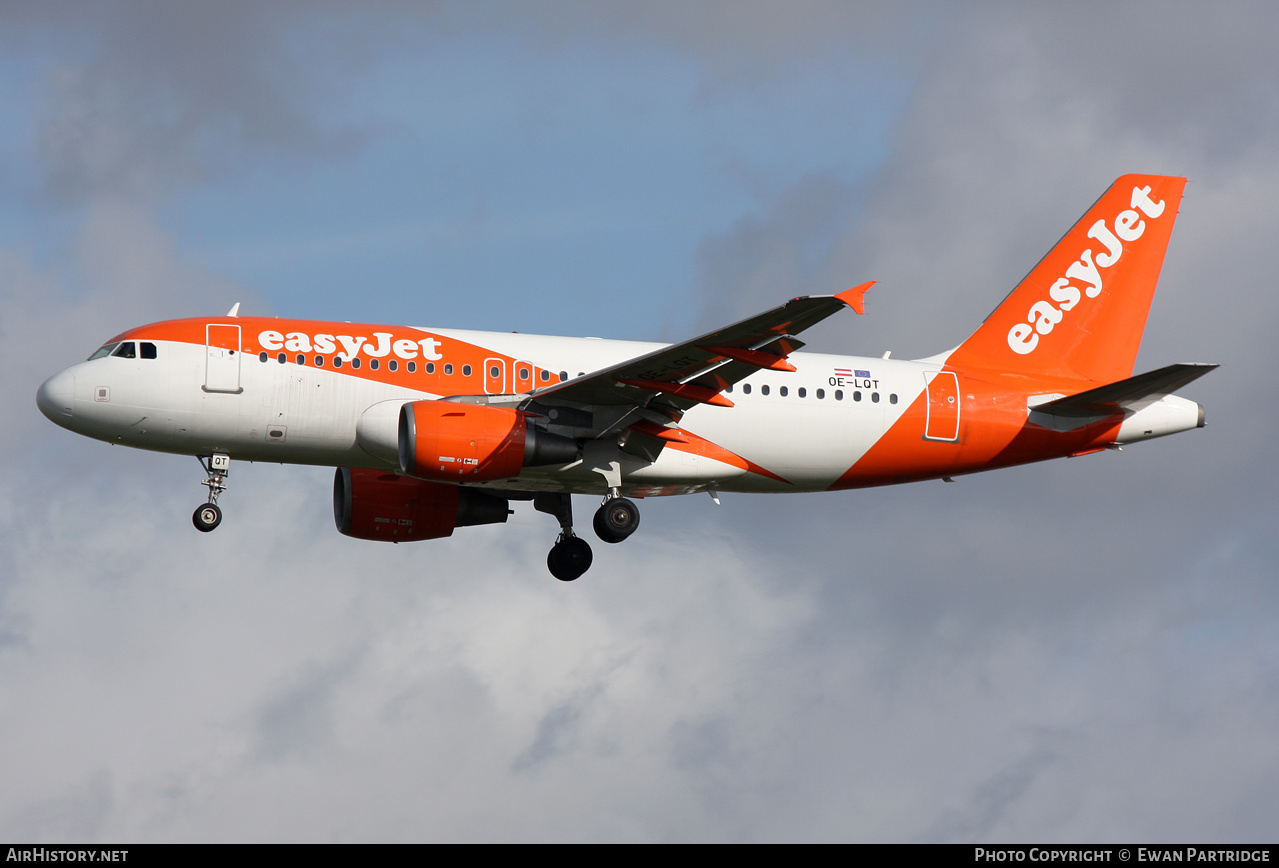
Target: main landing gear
{"x": 570, "y": 557}
{"x": 616, "y": 519}
{"x": 208, "y": 515}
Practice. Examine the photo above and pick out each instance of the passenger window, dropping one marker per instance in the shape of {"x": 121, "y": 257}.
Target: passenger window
{"x": 545, "y": 375}
{"x": 373, "y": 364}
{"x": 281, "y": 358}
{"x": 821, "y": 393}
{"x": 126, "y": 350}
{"x": 496, "y": 372}
{"x": 857, "y": 396}
{"x": 466, "y": 370}
{"x": 337, "y": 361}
{"x": 746, "y": 388}
{"x": 763, "y": 390}
{"x": 803, "y": 393}
{"x": 563, "y": 376}
{"x": 148, "y": 350}
{"x": 874, "y": 397}
{"x": 319, "y": 361}
{"x": 892, "y": 399}
{"x": 301, "y": 359}
{"x": 448, "y": 369}
{"x": 430, "y": 367}
{"x": 413, "y": 367}
{"x": 839, "y": 394}
{"x": 355, "y": 362}
{"x": 393, "y": 365}
{"x": 783, "y": 391}
{"x": 262, "y": 356}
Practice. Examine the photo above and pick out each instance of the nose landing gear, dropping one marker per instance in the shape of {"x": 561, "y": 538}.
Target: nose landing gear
{"x": 208, "y": 516}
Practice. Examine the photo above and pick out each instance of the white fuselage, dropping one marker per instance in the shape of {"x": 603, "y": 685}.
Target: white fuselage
{"x": 808, "y": 426}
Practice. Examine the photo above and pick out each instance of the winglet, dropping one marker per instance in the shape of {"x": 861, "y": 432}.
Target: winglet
{"x": 235, "y": 310}
{"x": 854, "y": 297}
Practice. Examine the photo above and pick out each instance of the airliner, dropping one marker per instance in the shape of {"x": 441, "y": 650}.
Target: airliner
{"x": 435, "y": 429}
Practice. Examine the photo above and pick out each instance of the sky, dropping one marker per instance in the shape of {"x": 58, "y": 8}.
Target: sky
{"x": 1077, "y": 651}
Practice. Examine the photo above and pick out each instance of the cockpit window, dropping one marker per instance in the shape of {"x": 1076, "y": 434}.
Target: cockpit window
{"x": 148, "y": 349}
{"x": 103, "y": 351}
{"x": 126, "y": 350}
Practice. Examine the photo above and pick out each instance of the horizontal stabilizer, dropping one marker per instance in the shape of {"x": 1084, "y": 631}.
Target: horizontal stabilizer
{"x": 1131, "y": 395}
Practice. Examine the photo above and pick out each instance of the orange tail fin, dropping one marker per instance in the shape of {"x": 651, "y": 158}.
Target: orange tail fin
{"x": 1081, "y": 311}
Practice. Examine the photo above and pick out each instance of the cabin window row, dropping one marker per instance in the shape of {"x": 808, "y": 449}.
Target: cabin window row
{"x": 523, "y": 374}
{"x": 374, "y": 364}
{"x": 820, "y": 394}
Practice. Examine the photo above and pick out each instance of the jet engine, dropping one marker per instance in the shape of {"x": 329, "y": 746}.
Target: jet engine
{"x": 459, "y": 442}
{"x": 375, "y": 505}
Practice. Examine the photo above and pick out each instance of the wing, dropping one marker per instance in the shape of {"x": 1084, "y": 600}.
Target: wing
{"x": 642, "y": 400}
{"x": 681, "y": 376}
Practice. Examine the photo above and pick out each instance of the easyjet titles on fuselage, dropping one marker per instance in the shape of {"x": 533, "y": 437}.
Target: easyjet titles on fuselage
{"x": 380, "y": 346}
{"x": 1043, "y": 315}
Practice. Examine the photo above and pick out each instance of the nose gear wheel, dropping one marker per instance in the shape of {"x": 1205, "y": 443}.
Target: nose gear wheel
{"x": 208, "y": 516}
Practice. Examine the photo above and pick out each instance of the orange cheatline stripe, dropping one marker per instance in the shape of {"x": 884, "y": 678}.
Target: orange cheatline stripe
{"x": 687, "y": 441}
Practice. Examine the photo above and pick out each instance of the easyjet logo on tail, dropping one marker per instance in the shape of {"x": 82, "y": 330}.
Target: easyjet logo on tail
{"x": 1086, "y": 272}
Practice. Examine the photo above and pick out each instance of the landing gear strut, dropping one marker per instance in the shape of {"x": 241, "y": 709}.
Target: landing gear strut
{"x": 616, "y": 519}
{"x": 571, "y": 556}
{"x": 208, "y": 515}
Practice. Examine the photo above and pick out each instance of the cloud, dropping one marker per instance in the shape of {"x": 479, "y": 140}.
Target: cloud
{"x": 147, "y": 98}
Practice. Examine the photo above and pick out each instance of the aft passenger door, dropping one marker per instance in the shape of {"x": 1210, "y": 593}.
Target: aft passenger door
{"x": 222, "y": 358}
{"x": 943, "y": 406}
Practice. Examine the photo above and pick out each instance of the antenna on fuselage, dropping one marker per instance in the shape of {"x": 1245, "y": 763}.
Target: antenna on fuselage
{"x": 235, "y": 310}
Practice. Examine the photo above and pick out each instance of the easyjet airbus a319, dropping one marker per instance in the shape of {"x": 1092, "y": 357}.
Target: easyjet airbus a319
{"x": 435, "y": 429}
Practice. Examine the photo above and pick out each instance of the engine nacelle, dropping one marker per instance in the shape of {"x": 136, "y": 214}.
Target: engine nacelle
{"x": 372, "y": 504}
{"x": 460, "y": 442}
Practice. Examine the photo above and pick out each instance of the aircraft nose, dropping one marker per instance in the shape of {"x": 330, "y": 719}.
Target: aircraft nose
{"x": 56, "y": 397}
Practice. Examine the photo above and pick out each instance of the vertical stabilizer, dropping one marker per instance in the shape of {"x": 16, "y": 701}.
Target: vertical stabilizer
{"x": 1081, "y": 311}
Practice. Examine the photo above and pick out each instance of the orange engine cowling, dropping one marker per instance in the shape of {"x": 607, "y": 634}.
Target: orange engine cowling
{"x": 458, "y": 442}
{"x": 372, "y": 504}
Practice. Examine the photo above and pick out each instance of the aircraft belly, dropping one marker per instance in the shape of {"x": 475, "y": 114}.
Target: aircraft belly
{"x": 674, "y": 467}
{"x": 307, "y": 415}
